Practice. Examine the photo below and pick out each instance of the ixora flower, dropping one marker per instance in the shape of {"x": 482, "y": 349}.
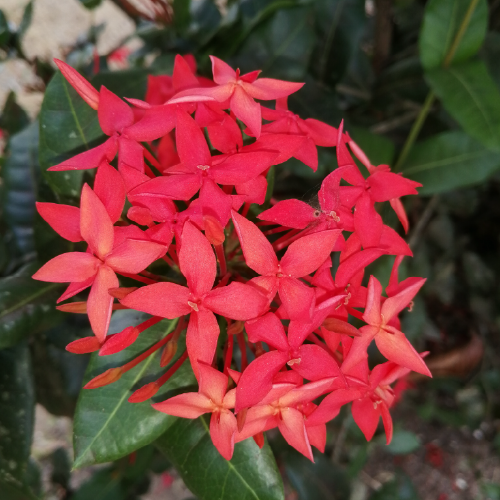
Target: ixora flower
{"x": 251, "y": 285}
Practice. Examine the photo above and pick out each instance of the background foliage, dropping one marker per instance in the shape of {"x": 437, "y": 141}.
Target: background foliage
{"x": 418, "y": 86}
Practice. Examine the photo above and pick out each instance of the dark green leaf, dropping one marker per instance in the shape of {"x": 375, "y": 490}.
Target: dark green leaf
{"x": 103, "y": 485}
{"x": 442, "y": 22}
{"x": 68, "y": 126}
{"x": 13, "y": 117}
{"x": 126, "y": 83}
{"x": 281, "y": 46}
{"x": 15, "y": 492}
{"x": 470, "y": 95}
{"x": 20, "y": 185}
{"x": 321, "y": 480}
{"x": 339, "y": 26}
{"x": 17, "y": 404}
{"x": 491, "y": 55}
{"x": 251, "y": 474}
{"x": 4, "y": 29}
{"x": 182, "y": 15}
{"x": 448, "y": 161}
{"x": 106, "y": 425}
{"x": 26, "y": 306}
{"x": 403, "y": 442}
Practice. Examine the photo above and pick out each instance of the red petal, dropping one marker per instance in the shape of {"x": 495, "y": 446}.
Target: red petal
{"x": 315, "y": 363}
{"x": 191, "y": 144}
{"x": 317, "y": 436}
{"x": 386, "y": 185}
{"x": 269, "y": 88}
{"x": 306, "y": 254}
{"x": 109, "y": 188}
{"x": 225, "y": 135}
{"x": 167, "y": 300}
{"x": 366, "y": 416}
{"x": 131, "y": 153}
{"x": 268, "y": 329}
{"x": 355, "y": 263}
{"x": 367, "y": 222}
{"x": 64, "y": 219}
{"x": 290, "y": 213}
{"x": 75, "y": 288}
{"x": 398, "y": 207}
{"x": 387, "y": 420}
{"x": 177, "y": 187}
{"x": 292, "y": 427}
{"x": 100, "y": 303}
{"x": 307, "y": 154}
{"x": 258, "y": 252}
{"x": 155, "y": 123}
{"x": 236, "y": 301}
{"x": 392, "y": 243}
{"x": 86, "y": 91}
{"x": 201, "y": 338}
{"x": 114, "y": 114}
{"x": 223, "y": 73}
{"x": 330, "y": 406}
{"x": 119, "y": 341}
{"x": 358, "y": 351}
{"x": 285, "y": 144}
{"x": 257, "y": 379}
{"x": 223, "y": 427}
{"x": 197, "y": 260}
{"x": 68, "y": 267}
{"x": 187, "y": 405}
{"x": 95, "y": 225}
{"x": 297, "y": 298}
{"x": 395, "y": 304}
{"x": 321, "y": 133}
{"x": 133, "y": 256}
{"x": 247, "y": 110}
{"x": 89, "y": 159}
{"x": 83, "y": 345}
{"x": 396, "y": 347}
{"x": 183, "y": 76}
{"x": 372, "y": 308}
{"x": 219, "y": 94}
{"x": 213, "y": 383}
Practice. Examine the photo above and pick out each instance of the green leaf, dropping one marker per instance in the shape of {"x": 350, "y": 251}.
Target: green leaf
{"x": 26, "y": 307}
{"x": 441, "y": 31}
{"x": 17, "y": 402}
{"x": 470, "y": 95}
{"x": 68, "y": 126}
{"x": 90, "y": 4}
{"x": 182, "y": 15}
{"x": 13, "y": 117}
{"x": 103, "y": 485}
{"x": 106, "y": 425}
{"x": 15, "y": 492}
{"x": 20, "y": 185}
{"x": 403, "y": 442}
{"x": 449, "y": 161}
{"x": 127, "y": 83}
{"x": 321, "y": 480}
{"x": 400, "y": 488}
{"x": 379, "y": 149}
{"x": 251, "y": 474}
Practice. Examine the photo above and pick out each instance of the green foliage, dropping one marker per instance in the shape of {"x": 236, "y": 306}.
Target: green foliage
{"x": 470, "y": 95}
{"x": 450, "y": 160}
{"x": 251, "y": 472}
{"x": 17, "y": 401}
{"x": 107, "y": 426}
{"x": 443, "y": 31}
{"x": 403, "y": 443}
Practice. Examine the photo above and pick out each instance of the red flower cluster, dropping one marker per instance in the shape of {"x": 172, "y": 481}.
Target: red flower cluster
{"x": 191, "y": 192}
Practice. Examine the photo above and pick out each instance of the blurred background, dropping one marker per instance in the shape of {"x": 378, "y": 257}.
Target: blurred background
{"x": 417, "y": 84}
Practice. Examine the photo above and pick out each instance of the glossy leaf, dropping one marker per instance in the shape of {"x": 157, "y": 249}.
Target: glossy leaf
{"x": 252, "y": 473}
{"x": 441, "y": 27}
{"x": 106, "y": 425}
{"x": 26, "y": 307}
{"x": 67, "y": 126}
{"x": 19, "y": 175}
{"x": 127, "y": 83}
{"x": 449, "y": 161}
{"x": 13, "y": 117}
{"x": 470, "y": 95}
{"x": 17, "y": 404}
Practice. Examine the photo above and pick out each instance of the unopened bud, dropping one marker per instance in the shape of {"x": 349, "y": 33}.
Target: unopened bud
{"x": 342, "y": 327}
{"x": 214, "y": 230}
{"x": 259, "y": 439}
{"x": 119, "y": 341}
{"x": 86, "y": 91}
{"x": 144, "y": 393}
{"x": 168, "y": 353}
{"x": 235, "y": 328}
{"x": 121, "y": 293}
{"x": 241, "y": 418}
{"x": 106, "y": 378}
{"x": 84, "y": 346}
{"x": 73, "y": 307}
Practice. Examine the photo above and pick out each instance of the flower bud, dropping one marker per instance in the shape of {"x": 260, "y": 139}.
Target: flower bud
{"x": 121, "y": 293}
{"x": 119, "y": 341}
{"x": 241, "y": 418}
{"x": 106, "y": 378}
{"x": 73, "y": 307}
{"x": 144, "y": 393}
{"x": 168, "y": 353}
{"x": 214, "y": 230}
{"x": 84, "y": 345}
{"x": 259, "y": 439}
